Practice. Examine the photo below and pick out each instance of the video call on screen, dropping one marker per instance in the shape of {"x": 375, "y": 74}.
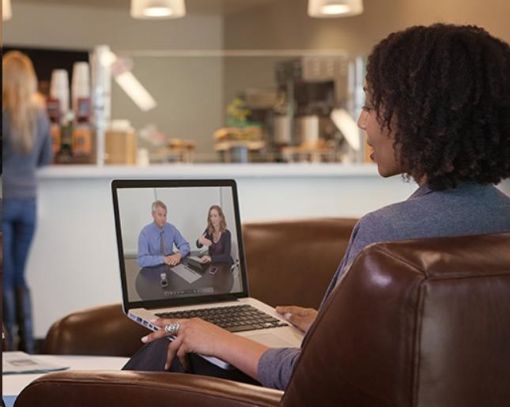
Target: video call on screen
{"x": 179, "y": 242}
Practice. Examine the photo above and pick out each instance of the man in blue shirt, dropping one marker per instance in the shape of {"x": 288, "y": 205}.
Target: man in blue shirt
{"x": 156, "y": 240}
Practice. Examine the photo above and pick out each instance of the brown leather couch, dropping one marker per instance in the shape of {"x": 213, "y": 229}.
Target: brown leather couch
{"x": 289, "y": 262}
{"x": 416, "y": 323}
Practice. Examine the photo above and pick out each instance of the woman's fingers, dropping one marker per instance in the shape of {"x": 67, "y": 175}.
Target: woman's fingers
{"x": 173, "y": 347}
{"x": 300, "y": 317}
{"x": 290, "y": 309}
{"x": 153, "y": 336}
{"x": 160, "y": 333}
{"x": 182, "y": 353}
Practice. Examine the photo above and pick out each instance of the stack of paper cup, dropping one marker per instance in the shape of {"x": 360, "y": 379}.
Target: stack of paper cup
{"x": 59, "y": 89}
{"x": 309, "y": 130}
{"x": 282, "y": 129}
{"x": 80, "y": 87}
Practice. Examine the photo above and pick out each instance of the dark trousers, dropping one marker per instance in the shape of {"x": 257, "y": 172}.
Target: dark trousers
{"x": 152, "y": 358}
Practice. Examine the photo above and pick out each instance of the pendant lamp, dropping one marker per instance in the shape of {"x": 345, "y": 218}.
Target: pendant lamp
{"x": 6, "y": 10}
{"x": 334, "y": 8}
{"x": 157, "y": 9}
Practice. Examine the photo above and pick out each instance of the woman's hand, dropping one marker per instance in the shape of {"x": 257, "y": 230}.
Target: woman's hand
{"x": 194, "y": 335}
{"x": 199, "y": 336}
{"x": 204, "y": 241}
{"x": 205, "y": 259}
{"x": 300, "y": 317}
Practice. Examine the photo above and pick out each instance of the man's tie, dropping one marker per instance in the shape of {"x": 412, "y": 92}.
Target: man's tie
{"x": 162, "y": 243}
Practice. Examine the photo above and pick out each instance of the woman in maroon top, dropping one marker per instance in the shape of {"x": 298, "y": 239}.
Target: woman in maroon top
{"x": 216, "y": 237}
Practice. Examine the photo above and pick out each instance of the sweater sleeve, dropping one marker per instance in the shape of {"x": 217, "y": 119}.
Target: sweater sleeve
{"x": 275, "y": 367}
{"x": 224, "y": 256}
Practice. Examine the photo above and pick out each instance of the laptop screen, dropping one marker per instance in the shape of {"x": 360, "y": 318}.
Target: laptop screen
{"x": 179, "y": 242}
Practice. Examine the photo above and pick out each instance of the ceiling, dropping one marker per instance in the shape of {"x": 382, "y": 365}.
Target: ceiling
{"x": 192, "y": 6}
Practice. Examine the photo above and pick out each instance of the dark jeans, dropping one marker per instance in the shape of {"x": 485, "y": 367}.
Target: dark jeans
{"x": 18, "y": 226}
{"x": 152, "y": 357}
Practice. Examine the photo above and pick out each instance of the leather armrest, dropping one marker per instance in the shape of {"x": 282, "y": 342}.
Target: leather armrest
{"x": 131, "y": 388}
{"x": 75, "y": 334}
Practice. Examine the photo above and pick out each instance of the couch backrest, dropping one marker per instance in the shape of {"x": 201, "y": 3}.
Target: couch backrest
{"x": 417, "y": 323}
{"x": 292, "y": 262}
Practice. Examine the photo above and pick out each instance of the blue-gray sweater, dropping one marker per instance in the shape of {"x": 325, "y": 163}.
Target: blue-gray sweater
{"x": 19, "y": 169}
{"x": 469, "y": 209}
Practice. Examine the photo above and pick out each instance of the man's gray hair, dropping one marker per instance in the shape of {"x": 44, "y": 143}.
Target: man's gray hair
{"x": 157, "y": 204}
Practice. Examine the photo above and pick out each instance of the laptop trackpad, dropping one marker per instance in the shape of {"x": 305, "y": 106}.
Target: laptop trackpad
{"x": 273, "y": 341}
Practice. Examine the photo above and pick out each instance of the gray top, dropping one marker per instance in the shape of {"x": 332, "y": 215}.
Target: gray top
{"x": 19, "y": 169}
{"x": 469, "y": 209}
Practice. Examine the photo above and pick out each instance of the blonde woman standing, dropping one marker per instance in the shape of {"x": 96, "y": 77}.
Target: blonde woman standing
{"x": 26, "y": 146}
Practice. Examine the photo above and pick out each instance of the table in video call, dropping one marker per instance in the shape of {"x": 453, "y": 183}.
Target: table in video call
{"x": 213, "y": 279}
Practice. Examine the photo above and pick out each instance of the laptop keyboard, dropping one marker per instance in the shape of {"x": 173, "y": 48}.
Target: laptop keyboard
{"x": 235, "y": 318}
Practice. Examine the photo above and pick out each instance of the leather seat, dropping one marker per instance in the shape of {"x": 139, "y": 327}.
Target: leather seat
{"x": 416, "y": 323}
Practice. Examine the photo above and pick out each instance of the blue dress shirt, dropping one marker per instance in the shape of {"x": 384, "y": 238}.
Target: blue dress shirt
{"x": 149, "y": 244}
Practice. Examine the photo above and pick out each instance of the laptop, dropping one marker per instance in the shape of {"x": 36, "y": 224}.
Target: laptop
{"x": 210, "y": 281}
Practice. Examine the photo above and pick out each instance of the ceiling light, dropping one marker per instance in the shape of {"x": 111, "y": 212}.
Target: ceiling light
{"x": 157, "y": 9}
{"x": 6, "y": 10}
{"x": 334, "y": 8}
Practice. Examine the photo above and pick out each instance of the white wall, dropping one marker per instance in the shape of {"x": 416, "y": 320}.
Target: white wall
{"x": 70, "y": 26}
{"x": 284, "y": 24}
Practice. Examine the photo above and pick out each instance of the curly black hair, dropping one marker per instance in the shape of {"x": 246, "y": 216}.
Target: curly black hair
{"x": 444, "y": 90}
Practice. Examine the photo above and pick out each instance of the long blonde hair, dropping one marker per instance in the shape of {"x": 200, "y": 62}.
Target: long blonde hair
{"x": 223, "y": 222}
{"x": 18, "y": 91}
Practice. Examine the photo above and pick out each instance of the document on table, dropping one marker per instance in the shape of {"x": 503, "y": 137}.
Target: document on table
{"x": 23, "y": 363}
{"x": 186, "y": 273}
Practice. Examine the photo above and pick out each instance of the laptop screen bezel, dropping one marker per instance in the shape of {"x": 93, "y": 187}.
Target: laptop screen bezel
{"x": 172, "y": 302}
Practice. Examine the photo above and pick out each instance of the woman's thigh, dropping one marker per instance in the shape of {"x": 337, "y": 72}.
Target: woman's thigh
{"x": 152, "y": 357}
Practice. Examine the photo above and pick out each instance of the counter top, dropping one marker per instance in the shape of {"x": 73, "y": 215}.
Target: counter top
{"x": 209, "y": 171}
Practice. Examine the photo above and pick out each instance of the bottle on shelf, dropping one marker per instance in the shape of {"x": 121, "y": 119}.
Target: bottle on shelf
{"x": 65, "y": 155}
{"x": 57, "y": 107}
{"x": 53, "y": 109}
{"x": 82, "y": 135}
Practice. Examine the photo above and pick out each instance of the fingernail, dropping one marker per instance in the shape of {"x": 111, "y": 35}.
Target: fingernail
{"x": 144, "y": 339}
{"x": 287, "y": 315}
{"x": 166, "y": 366}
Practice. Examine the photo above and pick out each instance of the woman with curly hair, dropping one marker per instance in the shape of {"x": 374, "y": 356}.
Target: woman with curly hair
{"x": 437, "y": 111}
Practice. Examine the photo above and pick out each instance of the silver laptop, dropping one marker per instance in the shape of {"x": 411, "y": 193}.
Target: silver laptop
{"x": 211, "y": 274}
